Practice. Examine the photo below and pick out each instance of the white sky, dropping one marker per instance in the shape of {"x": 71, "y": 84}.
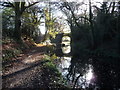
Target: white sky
{"x": 42, "y": 26}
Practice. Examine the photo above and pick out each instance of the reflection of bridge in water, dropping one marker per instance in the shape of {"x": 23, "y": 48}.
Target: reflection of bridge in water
{"x": 59, "y": 53}
{"x": 58, "y": 44}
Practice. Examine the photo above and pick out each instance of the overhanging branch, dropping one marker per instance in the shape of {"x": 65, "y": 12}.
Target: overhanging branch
{"x": 7, "y": 4}
{"x": 31, "y": 5}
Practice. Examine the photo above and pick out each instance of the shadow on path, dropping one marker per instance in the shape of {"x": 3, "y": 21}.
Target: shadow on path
{"x": 23, "y": 70}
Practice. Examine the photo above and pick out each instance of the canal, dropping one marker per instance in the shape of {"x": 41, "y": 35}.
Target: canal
{"x": 86, "y": 73}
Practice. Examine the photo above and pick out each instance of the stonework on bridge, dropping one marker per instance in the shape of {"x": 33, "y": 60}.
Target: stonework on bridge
{"x": 58, "y": 38}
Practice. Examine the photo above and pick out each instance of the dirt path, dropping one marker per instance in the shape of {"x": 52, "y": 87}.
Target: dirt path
{"x": 25, "y": 71}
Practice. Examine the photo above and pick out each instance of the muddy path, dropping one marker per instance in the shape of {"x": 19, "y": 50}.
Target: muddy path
{"x": 26, "y": 70}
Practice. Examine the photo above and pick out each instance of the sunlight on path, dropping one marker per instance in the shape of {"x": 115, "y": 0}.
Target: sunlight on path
{"x": 32, "y": 58}
{"x": 39, "y": 44}
{"x": 42, "y": 44}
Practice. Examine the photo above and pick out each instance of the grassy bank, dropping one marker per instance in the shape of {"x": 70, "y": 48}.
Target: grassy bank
{"x": 51, "y": 73}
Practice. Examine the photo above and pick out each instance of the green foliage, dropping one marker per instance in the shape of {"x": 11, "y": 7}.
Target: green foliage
{"x": 10, "y": 53}
{"x": 50, "y": 68}
{"x": 46, "y": 57}
{"x": 30, "y": 22}
{"x": 10, "y": 49}
{"x": 51, "y": 58}
{"x": 50, "y": 22}
{"x": 8, "y": 22}
{"x": 54, "y": 57}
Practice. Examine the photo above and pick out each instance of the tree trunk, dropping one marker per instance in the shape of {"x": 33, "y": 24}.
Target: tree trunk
{"x": 17, "y": 32}
{"x": 91, "y": 27}
{"x": 118, "y": 22}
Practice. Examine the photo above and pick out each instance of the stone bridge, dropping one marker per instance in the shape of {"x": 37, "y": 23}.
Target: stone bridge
{"x": 58, "y": 38}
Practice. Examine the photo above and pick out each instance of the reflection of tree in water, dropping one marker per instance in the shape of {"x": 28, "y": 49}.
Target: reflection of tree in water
{"x": 107, "y": 72}
{"x": 77, "y": 70}
{"x": 106, "y": 68}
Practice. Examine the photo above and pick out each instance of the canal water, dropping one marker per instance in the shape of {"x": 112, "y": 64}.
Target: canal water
{"x": 98, "y": 74}
{"x": 64, "y": 65}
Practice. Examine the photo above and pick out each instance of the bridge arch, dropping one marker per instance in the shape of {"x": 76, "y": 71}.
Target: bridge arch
{"x": 58, "y": 38}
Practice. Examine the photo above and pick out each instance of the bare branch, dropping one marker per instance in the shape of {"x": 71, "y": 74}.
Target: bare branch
{"x": 31, "y": 5}
{"x": 7, "y": 4}
{"x": 113, "y": 7}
